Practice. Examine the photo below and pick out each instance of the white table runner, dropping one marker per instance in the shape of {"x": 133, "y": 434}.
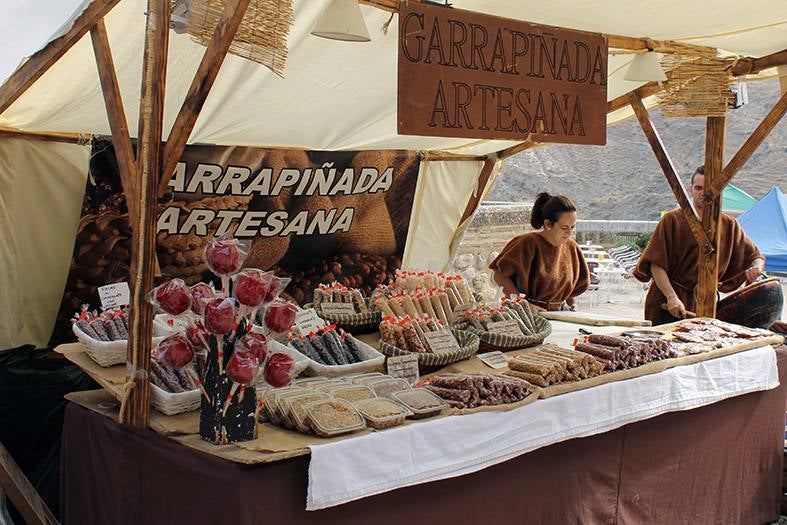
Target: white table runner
{"x": 453, "y": 446}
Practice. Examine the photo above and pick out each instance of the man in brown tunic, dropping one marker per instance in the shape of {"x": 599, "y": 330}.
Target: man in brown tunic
{"x": 672, "y": 257}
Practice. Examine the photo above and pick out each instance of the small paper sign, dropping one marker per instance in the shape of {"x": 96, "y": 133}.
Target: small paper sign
{"x": 496, "y": 360}
{"x": 442, "y": 341}
{"x": 404, "y": 366}
{"x": 509, "y": 327}
{"x": 462, "y": 309}
{"x": 337, "y": 308}
{"x": 114, "y": 295}
{"x": 307, "y": 321}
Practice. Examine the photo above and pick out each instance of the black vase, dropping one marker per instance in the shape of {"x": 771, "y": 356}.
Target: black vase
{"x": 239, "y": 422}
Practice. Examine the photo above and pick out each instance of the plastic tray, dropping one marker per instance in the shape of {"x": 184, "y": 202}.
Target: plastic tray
{"x": 370, "y": 410}
{"x": 363, "y": 379}
{"x": 319, "y": 413}
{"x": 385, "y": 387}
{"x": 295, "y": 412}
{"x": 421, "y": 402}
{"x": 271, "y": 404}
{"x": 353, "y": 393}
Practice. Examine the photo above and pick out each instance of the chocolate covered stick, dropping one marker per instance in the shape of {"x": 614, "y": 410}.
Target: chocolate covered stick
{"x": 382, "y": 305}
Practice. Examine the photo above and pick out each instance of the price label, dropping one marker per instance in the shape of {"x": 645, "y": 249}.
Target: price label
{"x": 337, "y": 308}
{"x": 442, "y": 341}
{"x": 404, "y": 366}
{"x": 509, "y": 327}
{"x": 307, "y": 321}
{"x": 495, "y": 360}
{"x": 462, "y": 309}
{"x": 114, "y": 295}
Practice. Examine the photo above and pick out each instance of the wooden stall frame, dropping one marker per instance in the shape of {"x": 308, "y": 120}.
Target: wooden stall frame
{"x": 147, "y": 176}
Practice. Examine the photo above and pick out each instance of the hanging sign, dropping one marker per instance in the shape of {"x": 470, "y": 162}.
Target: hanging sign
{"x": 470, "y": 75}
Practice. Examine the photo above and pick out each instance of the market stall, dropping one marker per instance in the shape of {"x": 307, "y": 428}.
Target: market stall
{"x": 355, "y": 218}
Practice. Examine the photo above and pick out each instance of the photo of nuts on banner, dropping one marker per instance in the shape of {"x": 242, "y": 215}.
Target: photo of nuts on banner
{"x": 314, "y": 217}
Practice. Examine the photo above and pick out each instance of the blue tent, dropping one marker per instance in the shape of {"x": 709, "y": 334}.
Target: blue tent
{"x": 766, "y": 224}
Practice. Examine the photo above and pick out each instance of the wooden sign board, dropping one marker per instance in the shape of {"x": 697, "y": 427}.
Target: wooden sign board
{"x": 471, "y": 75}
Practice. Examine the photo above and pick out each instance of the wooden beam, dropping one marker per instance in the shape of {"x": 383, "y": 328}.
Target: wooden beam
{"x": 644, "y": 91}
{"x": 439, "y": 156}
{"x": 391, "y": 6}
{"x": 38, "y": 64}
{"x": 751, "y": 66}
{"x": 670, "y": 173}
{"x": 121, "y": 139}
{"x": 708, "y": 278}
{"x": 518, "y": 148}
{"x": 22, "y": 493}
{"x": 135, "y": 408}
{"x": 748, "y": 148}
{"x": 483, "y": 179}
{"x": 48, "y": 136}
{"x": 203, "y": 81}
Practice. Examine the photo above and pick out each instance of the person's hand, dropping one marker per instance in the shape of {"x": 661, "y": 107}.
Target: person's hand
{"x": 676, "y": 307}
{"x": 752, "y": 274}
{"x": 537, "y": 308}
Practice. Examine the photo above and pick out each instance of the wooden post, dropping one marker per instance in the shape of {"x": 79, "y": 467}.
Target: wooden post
{"x": 22, "y": 493}
{"x": 701, "y": 236}
{"x": 200, "y": 86}
{"x": 708, "y": 282}
{"x": 121, "y": 139}
{"x": 749, "y": 147}
{"x": 135, "y": 409}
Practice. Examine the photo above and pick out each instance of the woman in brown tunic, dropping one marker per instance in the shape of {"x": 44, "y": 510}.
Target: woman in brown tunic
{"x": 545, "y": 265}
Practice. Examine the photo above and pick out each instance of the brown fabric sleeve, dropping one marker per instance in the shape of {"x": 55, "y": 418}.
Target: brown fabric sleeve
{"x": 514, "y": 261}
{"x": 583, "y": 279}
{"x": 656, "y": 252}
{"x": 743, "y": 254}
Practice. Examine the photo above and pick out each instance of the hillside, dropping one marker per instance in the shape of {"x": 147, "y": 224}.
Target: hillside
{"x": 622, "y": 180}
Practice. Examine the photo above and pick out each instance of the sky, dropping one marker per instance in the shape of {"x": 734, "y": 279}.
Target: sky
{"x": 26, "y": 25}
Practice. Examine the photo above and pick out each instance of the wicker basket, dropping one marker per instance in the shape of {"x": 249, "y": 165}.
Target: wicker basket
{"x": 468, "y": 346}
{"x": 170, "y": 403}
{"x": 491, "y": 342}
{"x": 365, "y": 323}
{"x": 373, "y": 362}
{"x": 109, "y": 353}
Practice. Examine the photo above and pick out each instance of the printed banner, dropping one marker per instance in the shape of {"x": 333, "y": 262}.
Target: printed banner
{"x": 311, "y": 215}
{"x": 471, "y": 75}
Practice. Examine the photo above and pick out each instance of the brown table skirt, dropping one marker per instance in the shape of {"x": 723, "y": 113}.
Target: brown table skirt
{"x": 717, "y": 464}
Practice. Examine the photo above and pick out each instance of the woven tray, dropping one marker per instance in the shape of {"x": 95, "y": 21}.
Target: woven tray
{"x": 491, "y": 342}
{"x": 468, "y": 346}
{"x": 365, "y": 323}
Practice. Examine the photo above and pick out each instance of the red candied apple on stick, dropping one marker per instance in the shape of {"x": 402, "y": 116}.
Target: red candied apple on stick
{"x": 225, "y": 256}
{"x": 278, "y": 371}
{"x": 173, "y": 297}
{"x": 201, "y": 293}
{"x": 279, "y": 316}
{"x": 176, "y": 350}
{"x": 242, "y": 369}
{"x": 255, "y": 343}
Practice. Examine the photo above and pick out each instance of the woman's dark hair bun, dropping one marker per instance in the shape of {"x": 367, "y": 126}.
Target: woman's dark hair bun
{"x": 550, "y": 207}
